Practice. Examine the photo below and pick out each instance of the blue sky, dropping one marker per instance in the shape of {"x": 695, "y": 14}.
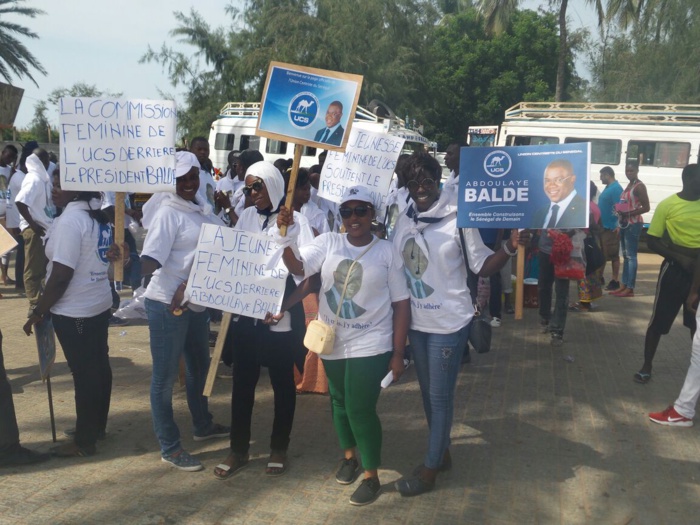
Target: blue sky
{"x": 100, "y": 42}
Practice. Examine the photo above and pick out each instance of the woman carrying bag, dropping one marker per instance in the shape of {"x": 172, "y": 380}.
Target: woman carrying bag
{"x": 364, "y": 300}
{"x": 428, "y": 239}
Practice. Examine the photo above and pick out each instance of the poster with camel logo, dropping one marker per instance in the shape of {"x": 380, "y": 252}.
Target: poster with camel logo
{"x": 308, "y": 106}
{"x": 536, "y": 187}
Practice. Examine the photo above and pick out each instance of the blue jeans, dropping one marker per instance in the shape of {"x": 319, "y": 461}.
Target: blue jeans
{"x": 438, "y": 358}
{"x": 172, "y": 336}
{"x": 629, "y": 242}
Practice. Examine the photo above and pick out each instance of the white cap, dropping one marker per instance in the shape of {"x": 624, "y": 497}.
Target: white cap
{"x": 358, "y": 193}
{"x": 184, "y": 162}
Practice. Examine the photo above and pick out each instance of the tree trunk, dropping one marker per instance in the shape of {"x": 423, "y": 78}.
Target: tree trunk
{"x": 563, "y": 52}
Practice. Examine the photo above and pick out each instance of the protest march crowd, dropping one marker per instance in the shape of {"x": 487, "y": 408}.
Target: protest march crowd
{"x": 393, "y": 284}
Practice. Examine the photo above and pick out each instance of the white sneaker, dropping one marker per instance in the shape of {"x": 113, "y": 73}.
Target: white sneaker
{"x": 496, "y": 322}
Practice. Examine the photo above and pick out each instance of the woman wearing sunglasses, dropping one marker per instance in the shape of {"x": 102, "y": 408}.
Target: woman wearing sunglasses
{"x": 368, "y": 305}
{"x": 178, "y": 329}
{"x": 429, "y": 241}
{"x": 276, "y": 343}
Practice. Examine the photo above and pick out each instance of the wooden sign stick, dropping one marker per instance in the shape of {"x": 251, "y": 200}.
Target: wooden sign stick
{"x": 298, "y": 148}
{"x": 519, "y": 282}
{"x": 216, "y": 356}
{"x": 119, "y": 234}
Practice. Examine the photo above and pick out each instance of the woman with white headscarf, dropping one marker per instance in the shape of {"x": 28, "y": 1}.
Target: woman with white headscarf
{"x": 276, "y": 343}
{"x": 177, "y": 328}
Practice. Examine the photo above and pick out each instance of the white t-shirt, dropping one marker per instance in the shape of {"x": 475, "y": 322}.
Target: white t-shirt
{"x": 330, "y": 211}
{"x": 81, "y": 243}
{"x": 316, "y": 217}
{"x": 171, "y": 240}
{"x": 365, "y": 323}
{"x": 4, "y": 188}
{"x": 440, "y": 301}
{"x": 36, "y": 194}
{"x": 207, "y": 187}
{"x": 228, "y": 184}
{"x": 12, "y": 215}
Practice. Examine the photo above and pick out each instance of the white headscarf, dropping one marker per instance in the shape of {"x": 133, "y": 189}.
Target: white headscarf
{"x": 35, "y": 166}
{"x": 273, "y": 180}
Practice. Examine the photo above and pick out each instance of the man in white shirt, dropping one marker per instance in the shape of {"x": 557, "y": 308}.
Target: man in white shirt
{"x": 37, "y": 212}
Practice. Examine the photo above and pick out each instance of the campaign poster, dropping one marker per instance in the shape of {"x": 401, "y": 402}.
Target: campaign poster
{"x": 369, "y": 160}
{"x": 46, "y": 346}
{"x": 309, "y": 106}
{"x": 524, "y": 187}
{"x": 121, "y": 145}
{"x": 231, "y": 272}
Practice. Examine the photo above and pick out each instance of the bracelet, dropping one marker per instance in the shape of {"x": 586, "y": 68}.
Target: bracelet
{"x": 508, "y": 252}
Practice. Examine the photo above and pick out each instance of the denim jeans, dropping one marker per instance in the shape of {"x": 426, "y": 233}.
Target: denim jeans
{"x": 546, "y": 280}
{"x": 172, "y": 336}
{"x": 438, "y": 358}
{"x": 629, "y": 242}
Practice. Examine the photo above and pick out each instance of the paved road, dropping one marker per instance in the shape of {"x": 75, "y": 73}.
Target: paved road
{"x": 542, "y": 435}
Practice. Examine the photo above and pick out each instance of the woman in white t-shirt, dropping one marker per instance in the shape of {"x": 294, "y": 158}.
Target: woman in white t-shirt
{"x": 427, "y": 237}
{"x": 175, "y": 330}
{"x": 370, "y": 319}
{"x": 275, "y": 343}
{"x": 78, "y": 296}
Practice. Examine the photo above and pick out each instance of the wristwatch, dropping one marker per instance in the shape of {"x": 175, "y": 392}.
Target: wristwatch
{"x": 227, "y": 211}
{"x": 32, "y": 312}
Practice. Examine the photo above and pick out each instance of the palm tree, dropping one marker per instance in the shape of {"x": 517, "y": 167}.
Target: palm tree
{"x": 497, "y": 13}
{"x": 15, "y": 58}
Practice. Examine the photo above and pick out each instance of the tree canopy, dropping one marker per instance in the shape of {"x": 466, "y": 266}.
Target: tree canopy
{"x": 15, "y": 58}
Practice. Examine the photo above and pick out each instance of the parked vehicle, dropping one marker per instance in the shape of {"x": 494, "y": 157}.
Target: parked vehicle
{"x": 234, "y": 129}
{"x": 664, "y": 138}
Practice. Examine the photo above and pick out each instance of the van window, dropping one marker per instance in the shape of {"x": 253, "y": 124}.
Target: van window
{"x": 308, "y": 151}
{"x": 224, "y": 141}
{"x": 659, "y": 154}
{"x": 249, "y": 142}
{"x": 603, "y": 151}
{"x": 522, "y": 140}
{"x": 276, "y": 146}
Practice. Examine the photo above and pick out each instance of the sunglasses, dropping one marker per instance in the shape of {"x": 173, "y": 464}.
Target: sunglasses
{"x": 255, "y": 187}
{"x": 359, "y": 211}
{"x": 427, "y": 184}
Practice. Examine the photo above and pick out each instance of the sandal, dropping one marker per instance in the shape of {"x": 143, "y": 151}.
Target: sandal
{"x": 224, "y": 470}
{"x": 71, "y": 450}
{"x": 642, "y": 378}
{"x": 276, "y": 468}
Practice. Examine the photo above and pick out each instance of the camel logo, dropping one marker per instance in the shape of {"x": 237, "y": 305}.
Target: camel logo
{"x": 497, "y": 163}
{"x": 303, "y": 110}
{"x": 104, "y": 242}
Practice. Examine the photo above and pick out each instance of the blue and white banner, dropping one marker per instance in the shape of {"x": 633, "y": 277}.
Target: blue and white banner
{"x": 524, "y": 187}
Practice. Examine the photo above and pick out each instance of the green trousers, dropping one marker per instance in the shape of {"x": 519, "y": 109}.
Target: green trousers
{"x": 354, "y": 386}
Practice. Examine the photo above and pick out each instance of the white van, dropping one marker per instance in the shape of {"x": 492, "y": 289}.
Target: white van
{"x": 235, "y": 130}
{"x": 664, "y": 138}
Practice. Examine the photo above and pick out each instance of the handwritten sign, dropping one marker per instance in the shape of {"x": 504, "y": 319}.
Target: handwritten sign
{"x": 230, "y": 273}
{"x": 519, "y": 186}
{"x": 369, "y": 160}
{"x": 310, "y": 106}
{"x": 117, "y": 144}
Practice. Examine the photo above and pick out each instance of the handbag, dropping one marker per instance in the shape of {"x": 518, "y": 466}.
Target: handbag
{"x": 320, "y": 337}
{"x": 479, "y": 327}
{"x": 594, "y": 255}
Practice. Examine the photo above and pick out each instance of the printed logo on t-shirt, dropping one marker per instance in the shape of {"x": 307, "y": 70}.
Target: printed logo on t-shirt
{"x": 104, "y": 242}
{"x": 415, "y": 265}
{"x": 349, "y": 308}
